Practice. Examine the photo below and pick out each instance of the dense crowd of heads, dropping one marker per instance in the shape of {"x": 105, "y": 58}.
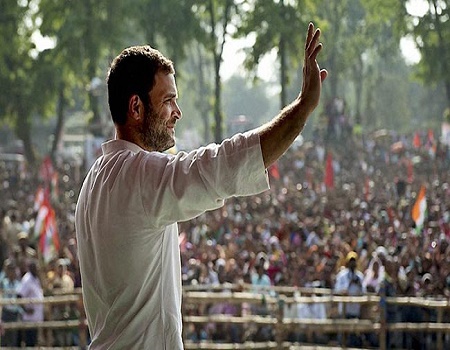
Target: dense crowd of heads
{"x": 300, "y": 231}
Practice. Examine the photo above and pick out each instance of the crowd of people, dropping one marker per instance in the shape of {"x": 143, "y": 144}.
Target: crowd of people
{"x": 308, "y": 230}
{"x": 339, "y": 201}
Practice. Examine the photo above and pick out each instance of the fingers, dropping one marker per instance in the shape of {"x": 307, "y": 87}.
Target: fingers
{"x": 312, "y": 44}
{"x": 313, "y": 41}
{"x": 309, "y": 35}
{"x": 317, "y": 48}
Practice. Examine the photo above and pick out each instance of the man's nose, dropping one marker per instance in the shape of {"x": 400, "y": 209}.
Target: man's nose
{"x": 178, "y": 112}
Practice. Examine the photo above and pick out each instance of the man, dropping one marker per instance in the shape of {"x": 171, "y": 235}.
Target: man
{"x": 134, "y": 195}
{"x": 260, "y": 278}
{"x": 30, "y": 287}
{"x": 10, "y": 313}
{"x": 23, "y": 253}
{"x": 62, "y": 283}
{"x": 349, "y": 281}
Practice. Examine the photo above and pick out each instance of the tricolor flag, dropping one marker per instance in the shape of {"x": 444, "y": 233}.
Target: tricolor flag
{"x": 54, "y": 186}
{"x": 45, "y": 230}
{"x": 39, "y": 198}
{"x": 419, "y": 209}
{"x": 40, "y": 219}
{"x": 49, "y": 242}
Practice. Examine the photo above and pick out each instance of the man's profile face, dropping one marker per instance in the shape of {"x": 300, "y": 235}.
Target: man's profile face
{"x": 157, "y": 130}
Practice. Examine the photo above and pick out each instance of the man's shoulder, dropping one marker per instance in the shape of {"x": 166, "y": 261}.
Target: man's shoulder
{"x": 343, "y": 272}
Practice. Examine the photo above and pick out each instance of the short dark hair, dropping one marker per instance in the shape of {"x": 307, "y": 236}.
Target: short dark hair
{"x": 132, "y": 72}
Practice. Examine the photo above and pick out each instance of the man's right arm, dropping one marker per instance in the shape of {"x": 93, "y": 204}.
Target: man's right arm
{"x": 277, "y": 135}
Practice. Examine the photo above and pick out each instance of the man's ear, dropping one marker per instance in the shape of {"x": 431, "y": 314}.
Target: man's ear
{"x": 135, "y": 107}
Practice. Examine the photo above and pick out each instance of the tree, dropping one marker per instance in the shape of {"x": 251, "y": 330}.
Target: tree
{"x": 432, "y": 37}
{"x": 170, "y": 24}
{"x": 64, "y": 61}
{"x": 197, "y": 87}
{"x": 276, "y": 24}
{"x": 19, "y": 72}
{"x": 215, "y": 18}
{"x": 362, "y": 40}
{"x": 85, "y": 33}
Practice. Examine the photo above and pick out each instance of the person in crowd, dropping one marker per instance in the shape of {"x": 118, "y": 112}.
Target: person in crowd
{"x": 349, "y": 281}
{"x": 10, "y": 313}
{"x": 259, "y": 277}
{"x": 411, "y": 313}
{"x": 372, "y": 276}
{"x": 30, "y": 287}
{"x": 261, "y": 283}
{"x": 12, "y": 227}
{"x": 388, "y": 289}
{"x": 317, "y": 311}
{"x": 62, "y": 283}
{"x": 23, "y": 252}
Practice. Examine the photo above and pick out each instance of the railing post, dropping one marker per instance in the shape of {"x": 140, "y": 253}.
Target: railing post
{"x": 82, "y": 328}
{"x": 383, "y": 325}
{"x": 344, "y": 334}
{"x": 279, "y": 331}
{"x": 440, "y": 343}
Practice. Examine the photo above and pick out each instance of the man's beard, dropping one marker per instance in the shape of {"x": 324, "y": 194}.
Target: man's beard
{"x": 154, "y": 133}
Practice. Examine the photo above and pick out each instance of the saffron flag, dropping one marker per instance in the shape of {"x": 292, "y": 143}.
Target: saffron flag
{"x": 419, "y": 209}
{"x": 329, "y": 172}
{"x": 416, "y": 140}
{"x": 274, "y": 171}
{"x": 410, "y": 171}
{"x": 366, "y": 190}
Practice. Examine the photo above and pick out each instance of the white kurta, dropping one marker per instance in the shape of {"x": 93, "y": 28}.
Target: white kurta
{"x": 345, "y": 281}
{"x": 127, "y": 233}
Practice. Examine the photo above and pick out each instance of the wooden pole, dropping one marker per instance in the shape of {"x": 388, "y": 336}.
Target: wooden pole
{"x": 440, "y": 344}
{"x": 279, "y": 331}
{"x": 383, "y": 326}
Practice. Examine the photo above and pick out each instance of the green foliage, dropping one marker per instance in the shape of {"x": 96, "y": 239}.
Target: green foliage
{"x": 216, "y": 19}
{"x": 447, "y": 115}
{"x": 432, "y": 36}
{"x": 276, "y": 25}
{"x": 168, "y": 25}
{"x": 361, "y": 52}
{"x": 18, "y": 70}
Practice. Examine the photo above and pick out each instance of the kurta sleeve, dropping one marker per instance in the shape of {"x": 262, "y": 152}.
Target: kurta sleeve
{"x": 182, "y": 186}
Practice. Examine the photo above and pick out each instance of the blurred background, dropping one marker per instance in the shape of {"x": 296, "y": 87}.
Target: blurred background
{"x": 238, "y": 62}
